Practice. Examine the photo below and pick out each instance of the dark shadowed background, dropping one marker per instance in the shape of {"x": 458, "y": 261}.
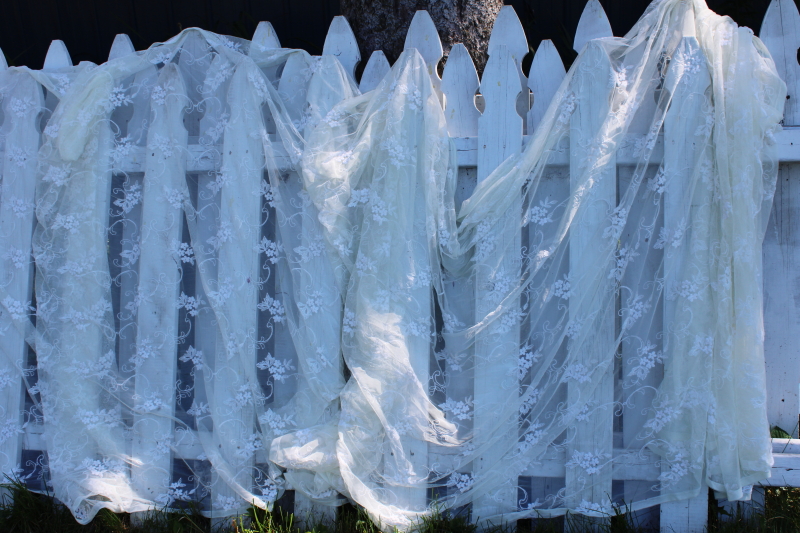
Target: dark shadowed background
{"x": 88, "y": 26}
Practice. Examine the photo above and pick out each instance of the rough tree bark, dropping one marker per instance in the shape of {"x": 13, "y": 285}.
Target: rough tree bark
{"x": 382, "y": 24}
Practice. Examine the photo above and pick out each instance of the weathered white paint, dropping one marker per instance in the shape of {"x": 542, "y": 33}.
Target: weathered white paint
{"x": 121, "y": 46}
{"x": 341, "y": 42}
{"x": 499, "y": 137}
{"x": 376, "y": 69}
{"x": 508, "y": 31}
{"x": 586, "y": 255}
{"x": 685, "y": 516}
{"x": 423, "y": 36}
{"x": 21, "y": 136}
{"x": 547, "y": 72}
{"x": 593, "y": 24}
{"x": 781, "y": 257}
{"x": 265, "y": 38}
{"x": 780, "y": 32}
{"x": 682, "y": 155}
{"x": 293, "y": 85}
{"x": 159, "y": 283}
{"x": 57, "y": 56}
{"x": 459, "y": 84}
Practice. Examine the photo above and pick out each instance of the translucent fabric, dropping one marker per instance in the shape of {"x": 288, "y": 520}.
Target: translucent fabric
{"x": 27, "y": 100}
{"x": 611, "y": 274}
{"x": 217, "y": 223}
{"x": 177, "y": 330}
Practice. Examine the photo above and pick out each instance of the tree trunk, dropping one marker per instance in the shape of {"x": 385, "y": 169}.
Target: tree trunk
{"x": 382, "y": 24}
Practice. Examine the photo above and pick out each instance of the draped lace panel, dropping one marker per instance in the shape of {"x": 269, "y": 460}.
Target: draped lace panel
{"x": 249, "y": 278}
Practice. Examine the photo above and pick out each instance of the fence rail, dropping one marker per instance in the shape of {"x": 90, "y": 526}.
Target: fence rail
{"x": 489, "y": 120}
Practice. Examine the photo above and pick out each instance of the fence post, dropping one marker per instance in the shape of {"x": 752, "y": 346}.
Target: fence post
{"x": 497, "y": 348}
{"x": 686, "y": 516}
{"x": 21, "y": 107}
{"x": 341, "y": 42}
{"x": 593, "y": 24}
{"x": 546, "y": 74}
{"x": 87, "y": 343}
{"x": 159, "y": 289}
{"x": 57, "y": 56}
{"x": 591, "y": 438}
{"x": 377, "y": 67}
{"x": 459, "y": 85}
{"x": 293, "y": 87}
{"x": 264, "y": 39}
{"x": 423, "y": 36}
{"x": 683, "y": 151}
{"x": 233, "y": 299}
{"x": 125, "y": 267}
{"x": 206, "y": 200}
{"x": 510, "y": 32}
{"x": 128, "y": 284}
{"x": 195, "y": 64}
{"x": 121, "y": 47}
{"x": 780, "y": 32}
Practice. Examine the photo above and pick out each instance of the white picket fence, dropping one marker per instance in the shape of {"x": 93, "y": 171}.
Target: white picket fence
{"x": 487, "y": 129}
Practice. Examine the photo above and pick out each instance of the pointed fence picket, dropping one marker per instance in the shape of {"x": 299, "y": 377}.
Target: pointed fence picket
{"x": 159, "y": 287}
{"x": 21, "y": 108}
{"x": 780, "y": 32}
{"x": 507, "y": 30}
{"x": 423, "y": 36}
{"x": 265, "y": 38}
{"x": 292, "y": 86}
{"x": 203, "y": 324}
{"x": 120, "y": 47}
{"x": 19, "y": 141}
{"x": 546, "y": 74}
{"x": 57, "y": 56}
{"x": 341, "y": 42}
{"x": 682, "y": 154}
{"x": 377, "y": 67}
{"x": 483, "y": 141}
{"x": 499, "y": 137}
{"x": 592, "y": 437}
{"x": 593, "y": 24}
{"x": 459, "y": 84}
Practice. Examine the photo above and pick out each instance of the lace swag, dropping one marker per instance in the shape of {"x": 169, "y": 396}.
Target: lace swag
{"x": 197, "y": 315}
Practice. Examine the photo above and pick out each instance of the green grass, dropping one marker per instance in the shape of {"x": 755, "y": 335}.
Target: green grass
{"x": 23, "y": 511}
{"x": 780, "y": 513}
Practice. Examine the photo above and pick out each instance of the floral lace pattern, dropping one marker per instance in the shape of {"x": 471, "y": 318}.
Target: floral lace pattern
{"x": 250, "y": 279}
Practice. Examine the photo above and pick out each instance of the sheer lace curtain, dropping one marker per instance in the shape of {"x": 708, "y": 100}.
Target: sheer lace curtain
{"x": 251, "y": 278}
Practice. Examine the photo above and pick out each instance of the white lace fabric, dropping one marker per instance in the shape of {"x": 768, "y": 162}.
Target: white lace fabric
{"x": 594, "y": 304}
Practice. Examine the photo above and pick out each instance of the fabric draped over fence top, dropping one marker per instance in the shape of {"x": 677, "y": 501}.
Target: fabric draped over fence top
{"x": 313, "y": 310}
